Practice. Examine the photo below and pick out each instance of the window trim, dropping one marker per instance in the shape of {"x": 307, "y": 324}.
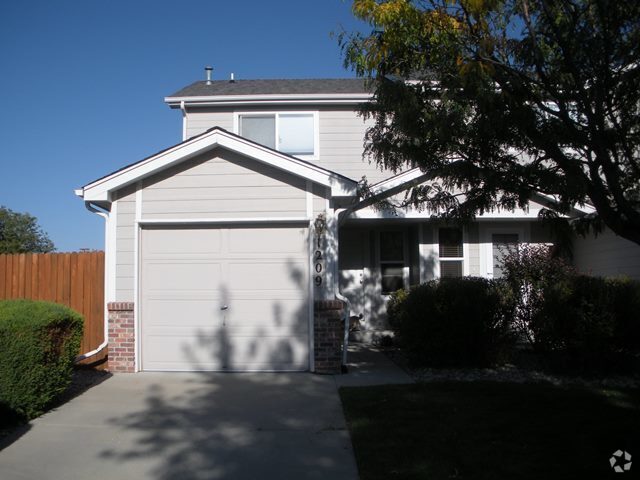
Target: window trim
{"x": 277, "y": 113}
{"x": 405, "y": 260}
{"x": 436, "y": 250}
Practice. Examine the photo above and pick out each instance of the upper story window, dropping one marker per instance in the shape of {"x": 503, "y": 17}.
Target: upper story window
{"x": 292, "y": 133}
{"x": 450, "y": 252}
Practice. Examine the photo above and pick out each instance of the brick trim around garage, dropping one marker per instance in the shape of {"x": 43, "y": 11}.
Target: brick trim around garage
{"x": 327, "y": 336}
{"x": 122, "y": 348}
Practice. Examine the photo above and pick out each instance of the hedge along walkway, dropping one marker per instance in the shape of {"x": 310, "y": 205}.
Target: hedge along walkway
{"x": 72, "y": 279}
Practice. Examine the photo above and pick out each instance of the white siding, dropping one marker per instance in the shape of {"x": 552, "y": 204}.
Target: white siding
{"x": 341, "y": 136}
{"x": 125, "y": 244}
{"x": 607, "y": 255}
{"x": 342, "y": 145}
{"x": 202, "y": 119}
{"x": 220, "y": 185}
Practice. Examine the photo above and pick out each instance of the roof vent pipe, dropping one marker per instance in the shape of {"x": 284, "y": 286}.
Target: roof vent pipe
{"x": 208, "y": 71}
{"x": 232, "y": 79}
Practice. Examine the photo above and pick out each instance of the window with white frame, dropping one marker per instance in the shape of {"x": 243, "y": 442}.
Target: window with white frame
{"x": 292, "y": 133}
{"x": 392, "y": 261}
{"x": 450, "y": 252}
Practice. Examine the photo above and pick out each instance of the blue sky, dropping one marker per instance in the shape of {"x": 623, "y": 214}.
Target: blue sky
{"x": 83, "y": 82}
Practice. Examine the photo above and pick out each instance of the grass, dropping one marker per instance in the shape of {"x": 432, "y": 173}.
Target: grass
{"x": 490, "y": 430}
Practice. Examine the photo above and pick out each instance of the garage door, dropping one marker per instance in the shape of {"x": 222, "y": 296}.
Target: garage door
{"x": 232, "y": 298}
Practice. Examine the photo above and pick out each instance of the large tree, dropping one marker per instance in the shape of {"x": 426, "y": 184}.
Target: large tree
{"x": 20, "y": 233}
{"x": 501, "y": 101}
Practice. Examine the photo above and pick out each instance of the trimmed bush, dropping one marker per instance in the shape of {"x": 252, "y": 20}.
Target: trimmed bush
{"x": 577, "y": 322}
{"x": 589, "y": 323}
{"x": 626, "y": 305}
{"x": 453, "y": 322}
{"x": 38, "y": 344}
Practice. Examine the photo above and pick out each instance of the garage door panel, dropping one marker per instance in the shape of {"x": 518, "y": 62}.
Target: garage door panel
{"x": 182, "y": 313}
{"x": 273, "y": 275}
{"x": 180, "y": 276}
{"x": 172, "y": 241}
{"x": 268, "y": 314}
{"x": 275, "y": 240}
{"x": 172, "y": 351}
{"x": 188, "y": 274}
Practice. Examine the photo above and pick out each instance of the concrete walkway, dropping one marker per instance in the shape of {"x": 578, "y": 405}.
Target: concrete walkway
{"x": 170, "y": 426}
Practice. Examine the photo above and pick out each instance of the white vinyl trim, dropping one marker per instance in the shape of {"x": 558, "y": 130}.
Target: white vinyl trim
{"x": 111, "y": 249}
{"x": 274, "y": 99}
{"x": 222, "y": 221}
{"x": 101, "y": 190}
{"x": 312, "y": 364}
{"x": 136, "y": 277}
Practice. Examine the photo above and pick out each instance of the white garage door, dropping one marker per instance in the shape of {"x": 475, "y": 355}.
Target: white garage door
{"x": 232, "y": 298}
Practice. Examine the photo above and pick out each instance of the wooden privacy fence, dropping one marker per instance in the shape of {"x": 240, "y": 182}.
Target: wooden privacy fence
{"x": 72, "y": 279}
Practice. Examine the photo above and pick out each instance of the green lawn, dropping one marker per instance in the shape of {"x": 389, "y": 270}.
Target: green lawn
{"x": 491, "y": 431}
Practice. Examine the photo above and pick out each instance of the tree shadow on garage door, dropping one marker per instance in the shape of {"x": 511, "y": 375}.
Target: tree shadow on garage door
{"x": 205, "y": 425}
{"x": 275, "y": 339}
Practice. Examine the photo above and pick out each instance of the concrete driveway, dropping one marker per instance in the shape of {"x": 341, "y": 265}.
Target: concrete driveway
{"x": 167, "y": 426}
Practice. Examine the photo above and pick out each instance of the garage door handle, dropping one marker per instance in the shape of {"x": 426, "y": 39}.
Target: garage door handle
{"x": 224, "y": 307}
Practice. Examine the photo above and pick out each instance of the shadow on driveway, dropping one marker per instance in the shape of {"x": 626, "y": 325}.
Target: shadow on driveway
{"x": 190, "y": 426}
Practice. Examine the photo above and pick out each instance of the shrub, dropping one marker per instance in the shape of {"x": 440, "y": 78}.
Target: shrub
{"x": 626, "y": 305}
{"x": 577, "y": 322}
{"x": 529, "y": 271}
{"x": 38, "y": 344}
{"x": 453, "y": 322}
{"x": 577, "y": 318}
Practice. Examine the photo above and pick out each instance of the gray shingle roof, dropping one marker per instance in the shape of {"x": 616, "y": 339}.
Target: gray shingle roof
{"x": 274, "y": 87}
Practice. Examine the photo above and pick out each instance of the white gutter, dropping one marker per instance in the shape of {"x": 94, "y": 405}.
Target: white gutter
{"x": 271, "y": 99}
{"x": 105, "y": 341}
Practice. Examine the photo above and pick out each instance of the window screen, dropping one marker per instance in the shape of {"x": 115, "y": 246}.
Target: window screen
{"x": 296, "y": 134}
{"x": 450, "y": 240}
{"x": 259, "y": 128}
{"x": 451, "y": 252}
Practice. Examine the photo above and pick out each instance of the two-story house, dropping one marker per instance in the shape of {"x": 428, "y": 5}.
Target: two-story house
{"x": 220, "y": 249}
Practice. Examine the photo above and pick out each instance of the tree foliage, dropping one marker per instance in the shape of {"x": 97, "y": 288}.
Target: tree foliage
{"x": 501, "y": 102}
{"x": 20, "y": 233}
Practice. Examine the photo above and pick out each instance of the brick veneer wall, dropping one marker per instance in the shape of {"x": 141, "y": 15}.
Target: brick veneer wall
{"x": 328, "y": 334}
{"x": 121, "y": 337}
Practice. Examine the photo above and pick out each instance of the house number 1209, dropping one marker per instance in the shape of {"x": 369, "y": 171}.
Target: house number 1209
{"x": 318, "y": 260}
{"x": 317, "y": 266}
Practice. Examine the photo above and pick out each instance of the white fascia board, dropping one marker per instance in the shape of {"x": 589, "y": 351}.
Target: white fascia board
{"x": 101, "y": 189}
{"x": 586, "y": 208}
{"x": 397, "y": 181}
{"x": 326, "y": 98}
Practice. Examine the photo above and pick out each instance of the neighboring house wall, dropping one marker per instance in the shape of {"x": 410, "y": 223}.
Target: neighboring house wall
{"x": 607, "y": 255}
{"x": 340, "y": 135}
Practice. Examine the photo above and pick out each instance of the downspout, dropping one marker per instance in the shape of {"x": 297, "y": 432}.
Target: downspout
{"x": 183, "y": 109}
{"x": 336, "y": 285}
{"x": 105, "y": 342}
